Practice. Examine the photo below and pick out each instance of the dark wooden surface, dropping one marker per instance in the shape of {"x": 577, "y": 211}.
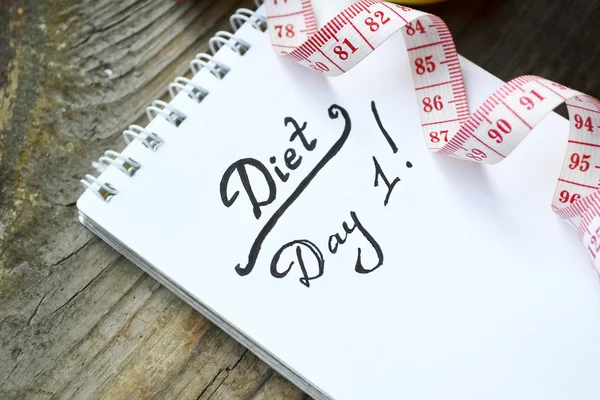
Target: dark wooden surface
{"x": 78, "y": 320}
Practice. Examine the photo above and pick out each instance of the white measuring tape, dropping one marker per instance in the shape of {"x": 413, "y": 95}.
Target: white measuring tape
{"x": 486, "y": 136}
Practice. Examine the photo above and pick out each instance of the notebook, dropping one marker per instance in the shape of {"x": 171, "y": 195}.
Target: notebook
{"x": 305, "y": 217}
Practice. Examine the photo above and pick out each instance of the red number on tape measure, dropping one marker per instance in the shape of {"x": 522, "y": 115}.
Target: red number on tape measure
{"x": 373, "y": 25}
{"x": 341, "y": 53}
{"x": 566, "y": 197}
{"x": 476, "y": 155}
{"x": 580, "y": 123}
{"x": 503, "y": 128}
{"x": 529, "y": 101}
{"x": 435, "y": 137}
{"x": 410, "y": 31}
{"x": 424, "y": 65}
{"x": 437, "y": 103}
{"x": 580, "y": 160}
{"x": 289, "y": 30}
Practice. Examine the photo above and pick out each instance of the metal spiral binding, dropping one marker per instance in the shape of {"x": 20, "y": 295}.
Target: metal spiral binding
{"x": 135, "y": 132}
{"x": 223, "y": 38}
{"x": 243, "y": 15}
{"x": 193, "y": 90}
{"x": 171, "y": 114}
{"x": 152, "y": 141}
{"x": 204, "y": 60}
{"x": 127, "y": 165}
{"x": 104, "y": 190}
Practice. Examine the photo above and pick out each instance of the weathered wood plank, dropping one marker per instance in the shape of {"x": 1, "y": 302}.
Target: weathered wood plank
{"x": 76, "y": 319}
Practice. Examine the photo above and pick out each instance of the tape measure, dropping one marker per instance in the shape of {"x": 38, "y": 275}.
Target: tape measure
{"x": 486, "y": 136}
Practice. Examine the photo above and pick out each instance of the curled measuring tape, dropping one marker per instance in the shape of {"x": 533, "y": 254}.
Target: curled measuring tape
{"x": 486, "y": 136}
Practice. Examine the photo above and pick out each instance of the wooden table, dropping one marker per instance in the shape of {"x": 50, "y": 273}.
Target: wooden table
{"x": 77, "y": 319}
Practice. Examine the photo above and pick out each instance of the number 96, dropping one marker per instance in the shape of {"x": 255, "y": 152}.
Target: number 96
{"x": 566, "y": 197}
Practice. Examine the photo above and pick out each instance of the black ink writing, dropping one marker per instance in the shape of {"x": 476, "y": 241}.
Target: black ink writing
{"x": 334, "y": 113}
{"x": 299, "y": 132}
{"x": 284, "y": 177}
{"x": 291, "y": 160}
{"x": 386, "y": 135}
{"x": 240, "y": 167}
{"x": 303, "y": 253}
{"x": 298, "y": 244}
{"x": 289, "y": 156}
{"x": 336, "y": 240}
{"x": 390, "y": 186}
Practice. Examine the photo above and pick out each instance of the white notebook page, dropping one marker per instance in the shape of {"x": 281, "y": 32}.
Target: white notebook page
{"x": 482, "y": 293}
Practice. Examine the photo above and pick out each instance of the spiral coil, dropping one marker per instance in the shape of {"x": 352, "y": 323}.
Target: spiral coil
{"x": 244, "y": 15}
{"x": 150, "y": 140}
{"x": 223, "y": 38}
{"x": 193, "y": 90}
{"x": 127, "y": 165}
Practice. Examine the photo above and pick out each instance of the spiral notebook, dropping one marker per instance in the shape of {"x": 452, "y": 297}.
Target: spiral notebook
{"x": 306, "y": 218}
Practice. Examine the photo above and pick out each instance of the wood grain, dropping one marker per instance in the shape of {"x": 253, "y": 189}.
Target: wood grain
{"x": 76, "y": 319}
